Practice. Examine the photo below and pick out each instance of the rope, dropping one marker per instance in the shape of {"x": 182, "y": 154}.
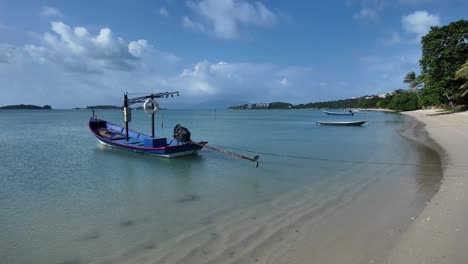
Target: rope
{"x": 350, "y": 161}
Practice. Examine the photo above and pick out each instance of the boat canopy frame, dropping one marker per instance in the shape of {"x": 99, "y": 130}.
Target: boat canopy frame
{"x": 130, "y": 101}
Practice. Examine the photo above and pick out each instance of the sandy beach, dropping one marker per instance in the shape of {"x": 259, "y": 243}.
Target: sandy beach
{"x": 440, "y": 233}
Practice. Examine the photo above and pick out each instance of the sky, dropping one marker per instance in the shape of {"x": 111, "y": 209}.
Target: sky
{"x": 216, "y": 53}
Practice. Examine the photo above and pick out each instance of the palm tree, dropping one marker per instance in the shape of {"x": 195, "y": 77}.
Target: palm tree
{"x": 462, "y": 74}
{"x": 413, "y": 81}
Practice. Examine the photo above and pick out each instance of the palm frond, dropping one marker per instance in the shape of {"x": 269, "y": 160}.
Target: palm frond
{"x": 462, "y": 73}
{"x": 410, "y": 77}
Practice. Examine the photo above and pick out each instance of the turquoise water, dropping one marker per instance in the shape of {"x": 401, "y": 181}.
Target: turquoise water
{"x": 66, "y": 199}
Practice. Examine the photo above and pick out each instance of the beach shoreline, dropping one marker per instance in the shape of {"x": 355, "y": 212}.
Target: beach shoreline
{"x": 376, "y": 110}
{"x": 439, "y": 234}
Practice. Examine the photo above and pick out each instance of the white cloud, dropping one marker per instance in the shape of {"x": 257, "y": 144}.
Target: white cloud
{"x": 203, "y": 84}
{"x": 78, "y": 50}
{"x": 198, "y": 82}
{"x": 51, "y": 12}
{"x": 60, "y": 65}
{"x": 419, "y": 23}
{"x": 136, "y": 48}
{"x": 367, "y": 14}
{"x": 224, "y": 17}
{"x": 245, "y": 82}
{"x": 163, "y": 12}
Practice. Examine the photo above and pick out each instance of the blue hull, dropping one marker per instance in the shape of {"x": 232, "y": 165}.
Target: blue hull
{"x": 349, "y": 123}
{"x": 114, "y": 135}
{"x": 339, "y": 113}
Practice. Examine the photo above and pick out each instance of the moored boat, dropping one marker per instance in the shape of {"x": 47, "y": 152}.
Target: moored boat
{"x": 350, "y": 113}
{"x": 342, "y": 123}
{"x": 115, "y": 136}
{"x": 123, "y": 138}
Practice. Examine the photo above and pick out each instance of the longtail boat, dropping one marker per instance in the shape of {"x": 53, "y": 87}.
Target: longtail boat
{"x": 126, "y": 139}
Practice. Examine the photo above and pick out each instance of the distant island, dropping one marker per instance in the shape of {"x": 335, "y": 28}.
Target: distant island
{"x": 274, "y": 105}
{"x": 25, "y": 107}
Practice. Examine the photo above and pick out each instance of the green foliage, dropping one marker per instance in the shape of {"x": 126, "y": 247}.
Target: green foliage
{"x": 431, "y": 96}
{"x": 444, "y": 50}
{"x": 444, "y": 72}
{"x": 279, "y": 105}
{"x": 462, "y": 75}
{"x": 406, "y": 101}
{"x": 346, "y": 103}
{"x": 400, "y": 101}
{"x": 412, "y": 80}
{"x": 385, "y": 102}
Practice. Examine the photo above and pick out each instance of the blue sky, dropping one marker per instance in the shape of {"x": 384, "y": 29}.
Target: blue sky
{"x": 215, "y": 52}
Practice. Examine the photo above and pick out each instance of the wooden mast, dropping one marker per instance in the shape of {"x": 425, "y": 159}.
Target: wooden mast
{"x": 126, "y": 111}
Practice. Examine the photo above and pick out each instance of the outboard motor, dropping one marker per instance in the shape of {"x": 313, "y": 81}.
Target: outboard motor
{"x": 181, "y": 133}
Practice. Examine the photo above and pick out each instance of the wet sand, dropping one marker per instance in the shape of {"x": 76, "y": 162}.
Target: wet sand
{"x": 358, "y": 223}
{"x": 440, "y": 233}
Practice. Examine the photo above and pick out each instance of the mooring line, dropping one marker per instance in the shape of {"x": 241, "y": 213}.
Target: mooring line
{"x": 349, "y": 161}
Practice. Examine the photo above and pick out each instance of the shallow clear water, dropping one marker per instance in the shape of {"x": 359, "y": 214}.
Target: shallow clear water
{"x": 65, "y": 198}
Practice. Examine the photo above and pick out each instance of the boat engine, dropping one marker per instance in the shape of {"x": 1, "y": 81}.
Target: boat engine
{"x": 181, "y": 133}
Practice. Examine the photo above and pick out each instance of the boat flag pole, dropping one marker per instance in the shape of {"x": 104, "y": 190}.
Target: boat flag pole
{"x": 203, "y": 144}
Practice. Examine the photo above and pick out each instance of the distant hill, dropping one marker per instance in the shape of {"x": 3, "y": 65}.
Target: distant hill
{"x": 398, "y": 100}
{"x": 274, "y": 105}
{"x": 103, "y": 107}
{"x": 27, "y": 107}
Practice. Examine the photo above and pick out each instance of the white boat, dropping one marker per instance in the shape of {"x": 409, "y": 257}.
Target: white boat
{"x": 342, "y": 123}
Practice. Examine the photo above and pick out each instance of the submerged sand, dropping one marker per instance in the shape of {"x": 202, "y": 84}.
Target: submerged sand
{"x": 359, "y": 223}
{"x": 440, "y": 233}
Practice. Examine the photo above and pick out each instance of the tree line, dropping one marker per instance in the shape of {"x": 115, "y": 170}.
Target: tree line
{"x": 444, "y": 67}
{"x": 443, "y": 80}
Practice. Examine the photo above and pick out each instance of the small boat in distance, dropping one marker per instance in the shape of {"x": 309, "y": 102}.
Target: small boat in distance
{"x": 350, "y": 113}
{"x": 342, "y": 123}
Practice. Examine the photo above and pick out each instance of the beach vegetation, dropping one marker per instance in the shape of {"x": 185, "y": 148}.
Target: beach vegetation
{"x": 405, "y": 101}
{"x": 462, "y": 75}
{"x": 444, "y": 51}
{"x": 399, "y": 100}
{"x": 414, "y": 82}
